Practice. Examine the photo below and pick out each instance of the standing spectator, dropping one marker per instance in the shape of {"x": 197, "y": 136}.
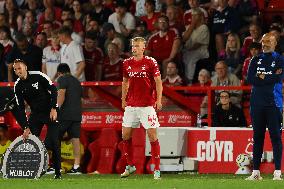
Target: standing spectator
{"x": 225, "y": 78}
{"x": 187, "y": 17}
{"x": 70, "y": 111}
{"x": 151, "y": 16}
{"x": 164, "y": 45}
{"x": 77, "y": 26}
{"x": 172, "y": 78}
{"x": 232, "y": 54}
{"x": 227, "y": 114}
{"x": 75, "y": 36}
{"x": 225, "y": 20}
{"x": 29, "y": 53}
{"x": 196, "y": 39}
{"x": 112, "y": 68}
{"x": 123, "y": 21}
{"x": 255, "y": 49}
{"x": 71, "y": 53}
{"x": 51, "y": 58}
{"x": 255, "y": 36}
{"x": 93, "y": 57}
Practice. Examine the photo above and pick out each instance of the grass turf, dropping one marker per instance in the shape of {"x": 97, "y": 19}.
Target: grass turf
{"x": 168, "y": 181}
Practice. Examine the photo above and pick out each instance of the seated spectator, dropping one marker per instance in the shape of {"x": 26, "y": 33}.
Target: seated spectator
{"x": 77, "y": 26}
{"x": 49, "y": 16}
{"x": 276, "y": 31}
{"x": 164, "y": 45}
{"x": 196, "y": 39}
{"x": 92, "y": 25}
{"x": 141, "y": 30}
{"x": 151, "y": 17}
{"x": 174, "y": 22}
{"x": 30, "y": 19}
{"x": 225, "y": 20}
{"x": 112, "y": 67}
{"x": 255, "y": 36}
{"x": 227, "y": 114}
{"x": 51, "y": 57}
{"x": 6, "y": 39}
{"x": 187, "y": 17}
{"x": 172, "y": 78}
{"x": 99, "y": 12}
{"x": 77, "y": 9}
{"x": 255, "y": 49}
{"x": 41, "y": 40}
{"x": 123, "y": 21}
{"x": 4, "y": 141}
{"x": 140, "y": 4}
{"x": 232, "y": 54}
{"x": 225, "y": 78}
{"x": 118, "y": 41}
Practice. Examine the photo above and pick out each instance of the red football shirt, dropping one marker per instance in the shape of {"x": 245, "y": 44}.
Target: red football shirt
{"x": 92, "y": 59}
{"x": 142, "y": 86}
{"x": 161, "y": 47}
{"x": 151, "y": 21}
{"x": 245, "y": 49}
{"x": 187, "y": 16}
{"x": 112, "y": 72}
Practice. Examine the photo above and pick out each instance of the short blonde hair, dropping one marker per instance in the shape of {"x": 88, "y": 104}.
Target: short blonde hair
{"x": 138, "y": 39}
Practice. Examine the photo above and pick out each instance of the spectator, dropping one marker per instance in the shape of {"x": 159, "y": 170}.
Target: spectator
{"x": 75, "y": 36}
{"x": 12, "y": 13}
{"x": 99, "y": 12}
{"x": 6, "y": 39}
{"x": 255, "y": 49}
{"x": 227, "y": 114}
{"x": 77, "y": 9}
{"x": 172, "y": 78}
{"x": 50, "y": 9}
{"x": 71, "y": 53}
{"x": 93, "y": 57}
{"x": 51, "y": 57}
{"x": 225, "y": 20}
{"x": 30, "y": 18}
{"x": 29, "y": 53}
{"x": 29, "y": 33}
{"x": 47, "y": 28}
{"x": 4, "y": 141}
{"x": 123, "y": 21}
{"x": 255, "y": 36}
{"x": 196, "y": 39}
{"x": 225, "y": 78}
{"x": 92, "y": 25}
{"x": 141, "y": 30}
{"x": 3, "y": 20}
{"x": 112, "y": 68}
{"x": 232, "y": 54}
{"x": 140, "y": 4}
{"x": 164, "y": 45}
{"x": 49, "y": 16}
{"x": 187, "y": 17}
{"x": 151, "y": 16}
{"x": 33, "y": 5}
{"x": 77, "y": 26}
{"x": 41, "y": 40}
{"x": 276, "y": 31}
{"x": 109, "y": 32}
{"x": 174, "y": 22}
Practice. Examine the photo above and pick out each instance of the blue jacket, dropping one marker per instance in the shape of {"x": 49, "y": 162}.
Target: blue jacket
{"x": 267, "y": 91}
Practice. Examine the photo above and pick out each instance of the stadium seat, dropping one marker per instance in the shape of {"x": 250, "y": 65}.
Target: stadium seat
{"x": 137, "y": 152}
{"x": 103, "y": 152}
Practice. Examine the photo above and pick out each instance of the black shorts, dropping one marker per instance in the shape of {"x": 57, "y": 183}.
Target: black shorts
{"x": 71, "y": 127}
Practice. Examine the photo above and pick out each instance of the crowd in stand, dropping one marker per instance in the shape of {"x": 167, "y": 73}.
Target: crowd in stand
{"x": 195, "y": 42}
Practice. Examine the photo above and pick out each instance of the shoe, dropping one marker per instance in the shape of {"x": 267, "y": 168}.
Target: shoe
{"x": 277, "y": 175}
{"x": 57, "y": 176}
{"x": 128, "y": 171}
{"x": 157, "y": 174}
{"x": 75, "y": 171}
{"x": 50, "y": 171}
{"x": 254, "y": 176}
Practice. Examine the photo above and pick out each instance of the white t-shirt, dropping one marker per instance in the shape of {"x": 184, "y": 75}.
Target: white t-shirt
{"x": 51, "y": 58}
{"x": 128, "y": 21}
{"x": 72, "y": 54}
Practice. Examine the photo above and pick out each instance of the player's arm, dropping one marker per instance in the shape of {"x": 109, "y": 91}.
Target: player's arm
{"x": 125, "y": 86}
{"x": 252, "y": 76}
{"x": 21, "y": 118}
{"x": 159, "y": 89}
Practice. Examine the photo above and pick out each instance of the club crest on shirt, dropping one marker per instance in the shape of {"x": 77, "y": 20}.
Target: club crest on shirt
{"x": 35, "y": 85}
{"x": 273, "y": 64}
{"x": 259, "y": 61}
{"x": 143, "y": 68}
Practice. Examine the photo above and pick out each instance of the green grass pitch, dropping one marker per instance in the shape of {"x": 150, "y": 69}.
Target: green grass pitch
{"x": 168, "y": 181}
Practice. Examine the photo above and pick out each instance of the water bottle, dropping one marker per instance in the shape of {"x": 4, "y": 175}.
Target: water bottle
{"x": 198, "y": 121}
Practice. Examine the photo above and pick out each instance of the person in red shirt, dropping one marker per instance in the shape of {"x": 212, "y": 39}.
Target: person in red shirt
{"x": 151, "y": 16}
{"x": 112, "y": 67}
{"x": 172, "y": 78}
{"x": 141, "y": 92}
{"x": 255, "y": 36}
{"x": 164, "y": 45}
{"x": 187, "y": 16}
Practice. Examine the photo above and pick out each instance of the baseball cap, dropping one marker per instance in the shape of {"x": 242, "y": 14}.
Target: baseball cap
{"x": 107, "y": 27}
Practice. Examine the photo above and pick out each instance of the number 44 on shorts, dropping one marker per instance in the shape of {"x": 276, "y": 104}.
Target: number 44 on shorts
{"x": 152, "y": 120}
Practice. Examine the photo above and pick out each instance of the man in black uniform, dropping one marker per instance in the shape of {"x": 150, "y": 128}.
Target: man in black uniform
{"x": 38, "y": 91}
{"x": 70, "y": 112}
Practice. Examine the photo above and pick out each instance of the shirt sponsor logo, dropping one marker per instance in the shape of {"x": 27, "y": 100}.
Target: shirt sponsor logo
{"x": 35, "y": 85}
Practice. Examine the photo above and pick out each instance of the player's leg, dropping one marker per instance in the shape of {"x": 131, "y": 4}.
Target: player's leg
{"x": 74, "y": 133}
{"x": 275, "y": 131}
{"x": 130, "y": 121}
{"x": 52, "y": 143}
{"x": 150, "y": 122}
{"x": 259, "y": 127}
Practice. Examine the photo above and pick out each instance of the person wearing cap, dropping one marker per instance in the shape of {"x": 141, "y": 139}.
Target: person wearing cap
{"x": 123, "y": 21}
{"x": 265, "y": 74}
{"x": 141, "y": 30}
{"x": 37, "y": 90}
{"x": 4, "y": 141}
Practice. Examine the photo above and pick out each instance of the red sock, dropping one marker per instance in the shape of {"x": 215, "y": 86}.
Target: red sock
{"x": 155, "y": 151}
{"x": 127, "y": 151}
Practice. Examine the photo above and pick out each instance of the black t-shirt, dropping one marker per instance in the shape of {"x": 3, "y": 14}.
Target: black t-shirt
{"x": 71, "y": 108}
